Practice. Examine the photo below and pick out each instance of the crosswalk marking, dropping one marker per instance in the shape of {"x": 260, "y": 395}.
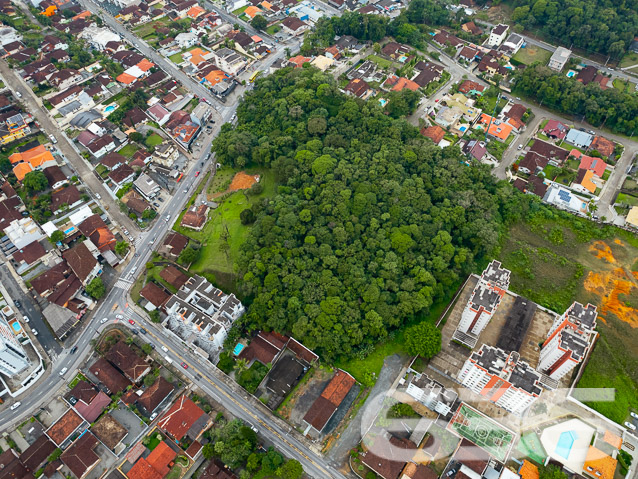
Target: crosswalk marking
{"x": 123, "y": 284}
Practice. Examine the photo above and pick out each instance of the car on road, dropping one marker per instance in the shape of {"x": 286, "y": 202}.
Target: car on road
{"x": 143, "y": 331}
{"x": 153, "y": 416}
{"x": 26, "y": 319}
{"x": 17, "y": 303}
{"x": 196, "y": 174}
{"x": 18, "y": 94}
{"x": 634, "y": 415}
{"x": 185, "y": 190}
{"x": 167, "y": 218}
{"x": 254, "y": 429}
{"x": 97, "y": 195}
{"x": 103, "y": 320}
{"x": 63, "y": 371}
{"x": 134, "y": 331}
{"x": 185, "y": 366}
{"x": 131, "y": 321}
{"x": 35, "y": 332}
{"x": 591, "y": 132}
{"x": 165, "y": 349}
{"x": 630, "y": 426}
{"x": 520, "y": 147}
{"x": 119, "y": 316}
{"x": 74, "y": 350}
{"x": 15, "y": 406}
{"x": 136, "y": 255}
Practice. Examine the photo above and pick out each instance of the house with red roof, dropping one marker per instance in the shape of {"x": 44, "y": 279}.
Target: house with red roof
{"x": 156, "y": 465}
{"x": 184, "y": 419}
{"x": 331, "y": 399}
{"x": 596, "y": 165}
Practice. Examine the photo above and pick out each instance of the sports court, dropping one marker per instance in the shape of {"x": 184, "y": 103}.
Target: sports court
{"x": 482, "y": 431}
{"x": 530, "y": 446}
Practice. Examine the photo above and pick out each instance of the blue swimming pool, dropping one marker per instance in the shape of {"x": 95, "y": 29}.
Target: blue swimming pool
{"x": 16, "y": 326}
{"x": 109, "y": 109}
{"x": 565, "y": 443}
{"x": 67, "y": 231}
{"x": 571, "y": 73}
{"x": 462, "y": 128}
{"x": 382, "y": 101}
{"x": 238, "y": 349}
{"x": 402, "y": 58}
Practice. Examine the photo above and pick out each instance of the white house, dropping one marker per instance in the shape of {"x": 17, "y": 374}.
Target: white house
{"x": 497, "y": 35}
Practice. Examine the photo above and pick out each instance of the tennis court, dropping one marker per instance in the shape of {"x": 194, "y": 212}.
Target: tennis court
{"x": 530, "y": 446}
{"x": 482, "y": 431}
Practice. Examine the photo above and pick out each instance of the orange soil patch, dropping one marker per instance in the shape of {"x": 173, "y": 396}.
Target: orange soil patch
{"x": 609, "y": 285}
{"x": 242, "y": 181}
{"x": 602, "y": 251}
{"x": 618, "y": 242}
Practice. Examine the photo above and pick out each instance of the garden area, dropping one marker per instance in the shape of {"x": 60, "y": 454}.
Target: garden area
{"x": 532, "y": 54}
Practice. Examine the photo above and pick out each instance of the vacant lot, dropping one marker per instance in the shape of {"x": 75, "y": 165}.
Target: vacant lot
{"x": 629, "y": 59}
{"x": 557, "y": 260}
{"x": 532, "y": 54}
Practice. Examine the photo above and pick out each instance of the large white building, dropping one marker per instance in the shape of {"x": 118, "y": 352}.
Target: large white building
{"x": 559, "y": 58}
{"x": 484, "y": 301}
{"x": 497, "y": 35}
{"x": 13, "y": 358}
{"x": 206, "y": 309}
{"x": 431, "y": 394}
{"x": 568, "y": 340}
{"x": 501, "y": 378}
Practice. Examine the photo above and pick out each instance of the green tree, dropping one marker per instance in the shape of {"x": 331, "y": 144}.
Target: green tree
{"x": 155, "y": 316}
{"x": 247, "y": 216}
{"x": 149, "y": 379}
{"x": 423, "y": 339}
{"x": 56, "y": 237}
{"x": 136, "y": 136}
{"x": 291, "y": 469}
{"x": 259, "y": 22}
{"x": 96, "y": 288}
{"x": 189, "y": 255}
{"x": 35, "y": 181}
{"x": 121, "y": 248}
{"x": 551, "y": 472}
{"x": 146, "y": 347}
{"x": 149, "y": 214}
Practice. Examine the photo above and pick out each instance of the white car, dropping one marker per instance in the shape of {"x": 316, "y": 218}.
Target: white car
{"x": 63, "y": 371}
{"x": 153, "y": 416}
{"x": 26, "y": 319}
{"x": 97, "y": 195}
{"x": 520, "y": 147}
{"x": 634, "y": 415}
{"x": 103, "y": 320}
{"x": 35, "y": 332}
{"x": 15, "y": 406}
{"x": 165, "y": 349}
{"x": 630, "y": 426}
{"x": 119, "y": 316}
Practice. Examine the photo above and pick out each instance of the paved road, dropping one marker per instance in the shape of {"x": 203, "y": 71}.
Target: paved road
{"x": 32, "y": 105}
{"x": 30, "y": 309}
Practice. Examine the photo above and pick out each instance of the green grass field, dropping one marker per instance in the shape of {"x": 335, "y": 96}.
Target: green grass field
{"x": 630, "y": 58}
{"x": 627, "y": 199}
{"x": 482, "y": 431}
{"x": 129, "y": 150}
{"x": 176, "y": 58}
{"x": 272, "y": 29}
{"x": 214, "y": 260}
{"x": 153, "y": 140}
{"x": 239, "y": 11}
{"x": 532, "y": 54}
{"x": 382, "y": 62}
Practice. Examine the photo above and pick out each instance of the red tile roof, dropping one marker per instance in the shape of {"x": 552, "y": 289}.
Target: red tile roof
{"x": 604, "y": 146}
{"x": 173, "y": 276}
{"x": 64, "y": 427}
{"x": 30, "y": 253}
{"x": 156, "y": 465}
{"x": 154, "y": 294}
{"x": 37, "y": 453}
{"x": 109, "y": 376}
{"x": 182, "y": 415}
{"x": 434, "y": 133}
{"x": 331, "y": 398}
{"x": 92, "y": 411}
{"x": 81, "y": 261}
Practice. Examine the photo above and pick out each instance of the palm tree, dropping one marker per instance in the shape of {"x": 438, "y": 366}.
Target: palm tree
{"x": 241, "y": 365}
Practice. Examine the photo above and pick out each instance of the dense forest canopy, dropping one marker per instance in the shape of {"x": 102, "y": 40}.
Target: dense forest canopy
{"x": 371, "y": 223}
{"x": 604, "y": 26}
{"x": 612, "y": 108}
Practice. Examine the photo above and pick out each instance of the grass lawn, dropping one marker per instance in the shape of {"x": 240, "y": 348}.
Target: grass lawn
{"x": 382, "y": 62}
{"x": 129, "y": 150}
{"x": 154, "y": 441}
{"x": 573, "y": 164}
{"x": 630, "y": 58}
{"x": 153, "y": 140}
{"x": 627, "y": 199}
{"x": 149, "y": 28}
{"x": 213, "y": 260}
{"x": 623, "y": 85}
{"x": 176, "y": 58}
{"x": 239, "y": 11}
{"x": 272, "y": 29}
{"x": 79, "y": 377}
{"x": 531, "y": 54}
{"x": 606, "y": 175}
{"x": 174, "y": 473}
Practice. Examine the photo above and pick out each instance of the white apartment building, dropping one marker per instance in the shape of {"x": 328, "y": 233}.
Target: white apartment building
{"x": 559, "y": 58}
{"x": 13, "y": 358}
{"x": 501, "y": 378}
{"x": 486, "y": 297}
{"x": 206, "y": 309}
{"x": 568, "y": 340}
{"x": 431, "y": 394}
{"x": 497, "y": 35}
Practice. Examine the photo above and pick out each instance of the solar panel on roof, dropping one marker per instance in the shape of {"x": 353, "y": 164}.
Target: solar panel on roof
{"x": 564, "y": 195}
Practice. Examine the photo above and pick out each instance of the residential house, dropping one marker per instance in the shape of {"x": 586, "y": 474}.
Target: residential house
{"x": 496, "y": 128}
{"x": 154, "y": 295}
{"x": 471, "y": 28}
{"x": 469, "y": 87}
{"x": 65, "y": 198}
{"x": 563, "y": 198}
{"x": 293, "y": 26}
{"x": 359, "y": 88}
{"x": 584, "y": 182}
{"x": 82, "y": 263}
{"x": 165, "y": 155}
{"x": 173, "y": 276}
{"x": 489, "y": 65}
{"x": 186, "y": 40}
{"x": 579, "y": 138}
{"x": 322, "y": 63}
{"x": 184, "y": 420}
{"x": 87, "y": 400}
{"x": 603, "y": 146}
{"x": 110, "y": 377}
{"x": 468, "y": 54}
{"x": 534, "y": 185}
{"x": 81, "y": 457}
{"x": 61, "y": 431}
{"x": 154, "y": 396}
{"x": 65, "y": 78}
{"x": 158, "y": 114}
{"x": 445, "y": 39}
{"x": 146, "y": 186}
{"x": 156, "y": 465}
{"x": 95, "y": 229}
{"x": 127, "y": 361}
{"x": 298, "y": 61}
{"x": 434, "y": 133}
{"x": 596, "y": 165}
{"x": 330, "y": 400}
{"x": 113, "y": 160}
{"x": 559, "y": 58}
{"x": 512, "y": 45}
{"x": 555, "y": 129}
{"x": 195, "y": 218}
{"x": 101, "y": 146}
{"x": 174, "y": 244}
{"x": 110, "y": 432}
{"x": 37, "y": 453}
{"x": 121, "y": 175}
{"x": 229, "y": 61}
{"x": 50, "y": 43}
{"x": 396, "y": 51}
{"x": 217, "y": 469}
{"x": 514, "y": 115}
{"x": 475, "y": 149}
{"x": 497, "y": 35}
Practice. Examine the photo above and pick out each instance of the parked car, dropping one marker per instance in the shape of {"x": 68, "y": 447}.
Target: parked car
{"x": 63, "y": 371}
{"x": 103, "y": 320}
{"x": 196, "y": 174}
{"x": 17, "y": 303}
{"x": 630, "y": 426}
{"x": 131, "y": 321}
{"x": 35, "y": 332}
{"x": 153, "y": 416}
{"x": 15, "y": 406}
{"x": 520, "y": 147}
{"x": 634, "y": 415}
{"x": 185, "y": 366}
{"x": 142, "y": 330}
{"x": 26, "y": 319}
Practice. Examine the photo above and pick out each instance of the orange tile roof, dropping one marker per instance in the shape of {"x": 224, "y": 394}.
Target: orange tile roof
{"x": 182, "y": 415}
{"x": 266, "y": 5}
{"x": 161, "y": 457}
{"x": 195, "y": 11}
{"x": 528, "y": 470}
{"x": 196, "y": 56}
{"x": 252, "y": 11}
{"x": 142, "y": 470}
{"x": 126, "y": 78}
{"x": 36, "y": 156}
{"x": 599, "y": 465}
{"x": 256, "y": 38}
{"x": 501, "y": 131}
{"x": 405, "y": 83}
{"x": 84, "y": 14}
{"x": 215, "y": 77}
{"x": 145, "y": 65}
{"x": 64, "y": 427}
{"x": 612, "y": 439}
{"x": 587, "y": 181}
{"x": 299, "y": 60}
{"x": 21, "y": 170}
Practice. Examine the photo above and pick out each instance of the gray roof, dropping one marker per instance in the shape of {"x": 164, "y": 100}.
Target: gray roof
{"x": 508, "y": 367}
{"x": 84, "y": 119}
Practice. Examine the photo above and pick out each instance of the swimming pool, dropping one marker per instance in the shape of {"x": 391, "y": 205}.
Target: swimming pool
{"x": 238, "y": 349}
{"x": 383, "y": 101}
{"x": 565, "y": 443}
{"x": 402, "y": 58}
{"x": 109, "y": 109}
{"x": 16, "y": 326}
{"x": 462, "y": 128}
{"x": 67, "y": 231}
{"x": 571, "y": 73}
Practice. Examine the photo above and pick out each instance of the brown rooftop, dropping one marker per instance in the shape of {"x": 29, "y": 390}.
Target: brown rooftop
{"x": 155, "y": 394}
{"x": 64, "y": 427}
{"x": 331, "y": 398}
{"x": 154, "y": 294}
{"x": 109, "y": 431}
{"x": 104, "y": 371}
{"x": 126, "y": 360}
{"x": 173, "y": 276}
{"x": 81, "y": 261}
